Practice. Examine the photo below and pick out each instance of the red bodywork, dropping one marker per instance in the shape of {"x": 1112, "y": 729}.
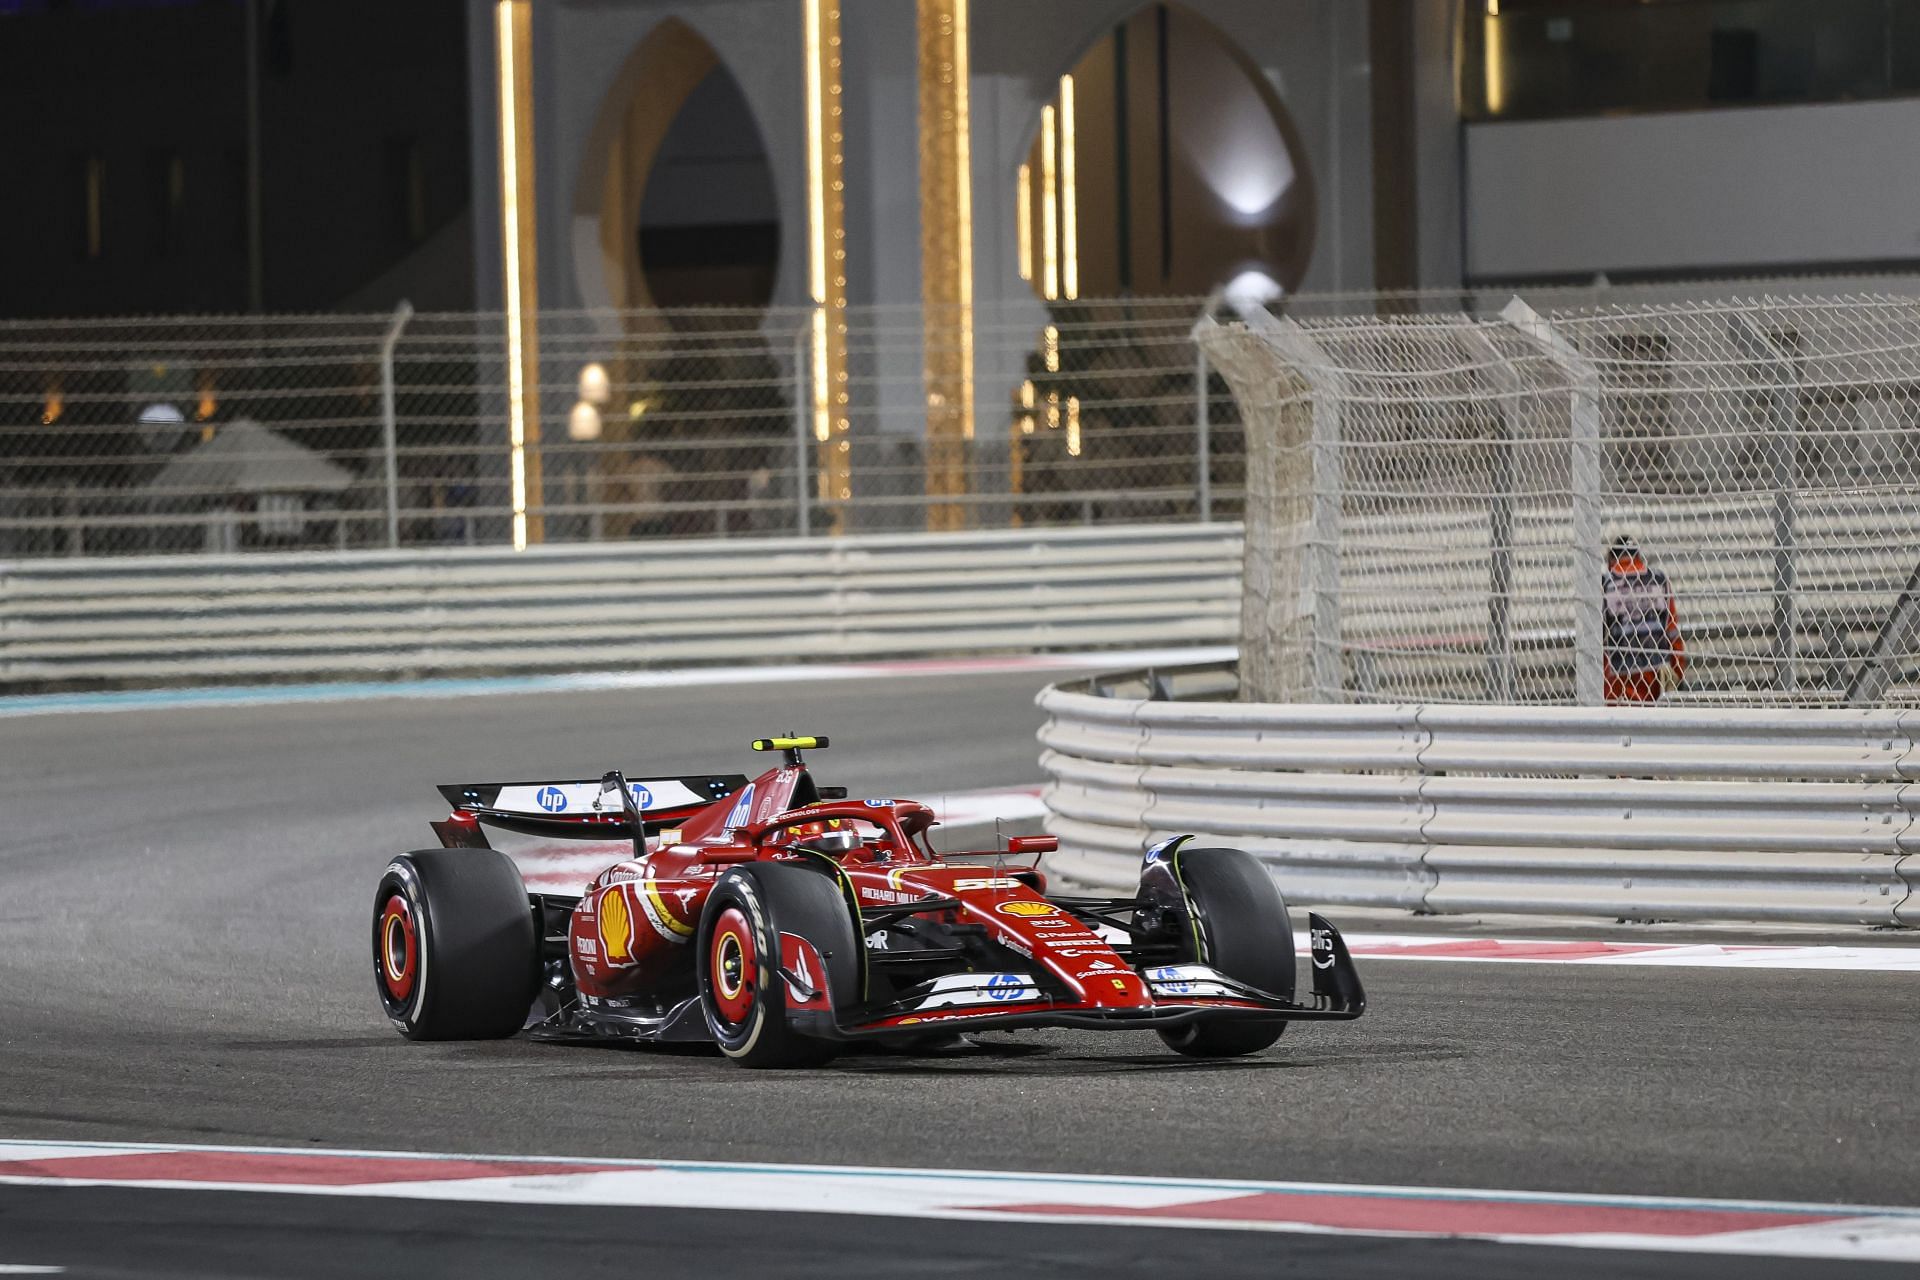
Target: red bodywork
{"x": 633, "y": 933}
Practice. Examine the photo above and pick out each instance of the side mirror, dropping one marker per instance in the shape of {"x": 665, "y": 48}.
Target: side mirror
{"x": 1032, "y": 844}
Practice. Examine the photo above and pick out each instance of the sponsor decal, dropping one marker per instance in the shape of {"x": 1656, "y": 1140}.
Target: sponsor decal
{"x": 660, "y": 915}
{"x": 1188, "y": 980}
{"x": 642, "y": 798}
{"x": 1168, "y": 980}
{"x": 889, "y": 896}
{"x": 741, "y": 808}
{"x": 961, "y": 989}
{"x": 552, "y": 799}
{"x": 616, "y": 928}
{"x": 1006, "y": 986}
{"x": 1027, "y": 910}
{"x": 1119, "y": 984}
{"x": 879, "y": 804}
{"x": 989, "y": 882}
{"x": 1322, "y": 949}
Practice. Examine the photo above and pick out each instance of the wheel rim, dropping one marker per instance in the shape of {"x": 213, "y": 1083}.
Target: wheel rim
{"x": 398, "y": 949}
{"x": 733, "y": 965}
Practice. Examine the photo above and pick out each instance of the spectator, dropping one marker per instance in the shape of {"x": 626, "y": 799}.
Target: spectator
{"x": 1645, "y": 654}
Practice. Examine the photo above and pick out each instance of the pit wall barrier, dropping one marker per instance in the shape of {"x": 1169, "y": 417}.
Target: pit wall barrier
{"x": 1629, "y": 813}
{"x": 209, "y": 619}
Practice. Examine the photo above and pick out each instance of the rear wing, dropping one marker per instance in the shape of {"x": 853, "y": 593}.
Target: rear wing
{"x": 573, "y": 809}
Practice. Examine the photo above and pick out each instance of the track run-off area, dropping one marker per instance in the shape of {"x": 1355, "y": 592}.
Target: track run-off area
{"x": 183, "y": 978}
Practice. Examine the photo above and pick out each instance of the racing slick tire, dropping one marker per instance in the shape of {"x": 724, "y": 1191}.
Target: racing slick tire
{"x": 1241, "y": 928}
{"x": 741, "y": 991}
{"x": 455, "y": 952}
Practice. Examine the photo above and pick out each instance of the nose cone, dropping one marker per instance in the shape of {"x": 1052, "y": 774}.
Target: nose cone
{"x": 1029, "y": 924}
{"x": 1109, "y": 990}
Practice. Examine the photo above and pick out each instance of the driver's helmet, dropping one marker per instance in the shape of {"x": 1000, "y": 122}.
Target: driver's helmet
{"x": 826, "y": 837}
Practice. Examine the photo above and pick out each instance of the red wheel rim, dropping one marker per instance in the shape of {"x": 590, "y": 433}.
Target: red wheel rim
{"x": 732, "y": 966}
{"x": 399, "y": 948}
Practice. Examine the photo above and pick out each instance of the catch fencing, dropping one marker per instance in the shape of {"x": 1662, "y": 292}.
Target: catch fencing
{"x": 205, "y": 620}
{"x": 196, "y": 434}
{"x": 1629, "y": 813}
{"x": 1430, "y": 497}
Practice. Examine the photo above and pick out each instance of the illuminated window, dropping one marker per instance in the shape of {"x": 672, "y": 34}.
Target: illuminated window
{"x": 1525, "y": 59}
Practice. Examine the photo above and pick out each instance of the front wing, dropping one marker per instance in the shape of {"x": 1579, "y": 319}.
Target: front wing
{"x": 1182, "y": 994}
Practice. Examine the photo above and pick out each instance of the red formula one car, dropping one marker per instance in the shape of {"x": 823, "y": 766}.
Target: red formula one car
{"x": 783, "y": 922}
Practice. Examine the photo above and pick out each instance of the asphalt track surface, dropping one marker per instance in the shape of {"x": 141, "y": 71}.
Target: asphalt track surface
{"x": 182, "y": 939}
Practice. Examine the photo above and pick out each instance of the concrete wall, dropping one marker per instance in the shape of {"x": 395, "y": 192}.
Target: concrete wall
{"x": 1754, "y": 189}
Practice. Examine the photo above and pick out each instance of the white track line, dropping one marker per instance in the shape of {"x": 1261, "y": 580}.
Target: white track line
{"x": 1855, "y": 1232}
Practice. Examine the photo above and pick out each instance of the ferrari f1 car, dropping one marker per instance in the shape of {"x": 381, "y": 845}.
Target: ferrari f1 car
{"x": 784, "y": 922}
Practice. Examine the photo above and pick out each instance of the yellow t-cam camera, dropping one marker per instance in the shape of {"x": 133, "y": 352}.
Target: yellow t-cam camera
{"x": 789, "y": 744}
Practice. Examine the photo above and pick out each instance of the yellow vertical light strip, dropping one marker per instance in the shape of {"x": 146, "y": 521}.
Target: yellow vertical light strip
{"x": 1026, "y": 405}
{"x": 827, "y": 256}
{"x": 1023, "y": 220}
{"x": 1069, "y": 212}
{"x": 816, "y": 162}
{"x": 513, "y": 41}
{"x": 1073, "y": 426}
{"x": 1050, "y": 347}
{"x": 1053, "y": 410}
{"x": 1496, "y": 60}
{"x": 946, "y": 254}
{"x": 1049, "y": 210}
{"x": 963, "y": 209}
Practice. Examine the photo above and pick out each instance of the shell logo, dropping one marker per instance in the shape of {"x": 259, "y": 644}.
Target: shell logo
{"x": 616, "y": 927}
{"x": 1028, "y": 909}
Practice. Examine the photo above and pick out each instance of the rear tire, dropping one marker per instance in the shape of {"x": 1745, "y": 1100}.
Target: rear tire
{"x": 455, "y": 952}
{"x": 741, "y": 990}
{"x": 1238, "y": 925}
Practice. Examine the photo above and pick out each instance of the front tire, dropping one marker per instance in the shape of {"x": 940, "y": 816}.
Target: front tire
{"x": 1235, "y": 921}
{"x": 455, "y": 952}
{"x": 741, "y": 989}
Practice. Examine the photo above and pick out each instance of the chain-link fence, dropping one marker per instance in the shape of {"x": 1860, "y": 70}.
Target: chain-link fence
{"x": 194, "y": 434}
{"x": 1438, "y": 505}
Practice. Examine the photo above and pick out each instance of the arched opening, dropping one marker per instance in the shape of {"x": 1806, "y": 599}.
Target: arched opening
{"x": 1165, "y": 165}
{"x": 678, "y": 179}
{"x": 677, "y": 187}
{"x": 709, "y": 226}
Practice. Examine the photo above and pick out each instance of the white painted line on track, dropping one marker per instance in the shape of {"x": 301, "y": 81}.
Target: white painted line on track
{"x": 1661, "y": 1224}
{"x": 28, "y": 1269}
{"x": 1461, "y": 950}
{"x": 612, "y": 681}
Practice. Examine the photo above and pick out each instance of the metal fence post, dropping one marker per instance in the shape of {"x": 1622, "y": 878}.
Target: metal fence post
{"x": 1507, "y": 390}
{"x": 1328, "y": 498}
{"x": 802, "y": 513}
{"x": 1203, "y": 435}
{"x": 1786, "y": 450}
{"x": 1203, "y": 409}
{"x": 389, "y": 428}
{"x": 1589, "y": 565}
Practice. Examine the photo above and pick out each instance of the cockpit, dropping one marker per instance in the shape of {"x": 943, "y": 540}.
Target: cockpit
{"x": 883, "y": 833}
